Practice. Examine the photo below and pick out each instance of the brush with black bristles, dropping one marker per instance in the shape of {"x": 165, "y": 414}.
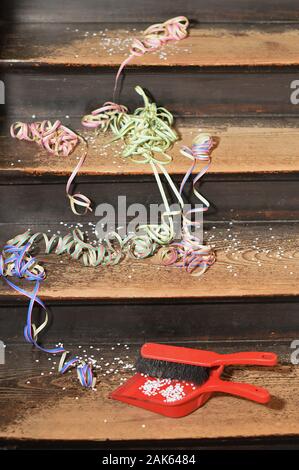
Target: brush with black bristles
{"x": 192, "y": 365}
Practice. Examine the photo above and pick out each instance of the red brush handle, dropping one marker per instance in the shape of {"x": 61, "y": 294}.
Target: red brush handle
{"x": 198, "y": 357}
{"x": 248, "y": 358}
{"x": 244, "y": 390}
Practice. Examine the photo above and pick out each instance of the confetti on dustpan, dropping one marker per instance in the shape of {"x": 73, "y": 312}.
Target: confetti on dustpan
{"x": 176, "y": 398}
{"x": 167, "y": 397}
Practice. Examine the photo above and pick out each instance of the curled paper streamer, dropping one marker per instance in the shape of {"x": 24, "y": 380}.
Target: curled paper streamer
{"x": 107, "y": 252}
{"x": 16, "y": 261}
{"x": 200, "y": 152}
{"x": 105, "y": 116}
{"x": 55, "y": 138}
{"x": 58, "y": 140}
{"x": 78, "y": 199}
{"x": 84, "y": 368}
{"x": 190, "y": 253}
{"x": 147, "y": 134}
{"x": 155, "y": 37}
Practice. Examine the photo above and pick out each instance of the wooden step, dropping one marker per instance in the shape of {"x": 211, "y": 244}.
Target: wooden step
{"x": 71, "y": 73}
{"x": 107, "y": 45}
{"x": 252, "y": 261}
{"x": 32, "y": 394}
{"x": 255, "y": 157}
{"x": 248, "y": 146}
{"x": 254, "y": 280}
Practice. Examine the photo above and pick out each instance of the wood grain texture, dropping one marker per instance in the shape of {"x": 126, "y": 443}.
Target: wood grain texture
{"x": 106, "y": 46}
{"x": 158, "y": 320}
{"x": 244, "y": 147}
{"x": 41, "y": 405}
{"x": 252, "y": 261}
{"x": 151, "y": 10}
{"x": 226, "y": 92}
{"x": 255, "y": 198}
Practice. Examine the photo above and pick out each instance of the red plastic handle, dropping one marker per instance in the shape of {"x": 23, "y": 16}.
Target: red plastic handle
{"x": 203, "y": 358}
{"x": 244, "y": 390}
{"x": 248, "y": 358}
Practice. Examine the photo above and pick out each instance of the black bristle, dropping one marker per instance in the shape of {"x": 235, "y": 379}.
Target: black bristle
{"x": 172, "y": 370}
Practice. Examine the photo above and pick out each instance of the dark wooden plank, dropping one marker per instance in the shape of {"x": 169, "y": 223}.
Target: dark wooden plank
{"x": 33, "y": 394}
{"x": 96, "y": 45}
{"x": 58, "y": 93}
{"x": 246, "y": 146}
{"x": 149, "y": 10}
{"x": 256, "y": 197}
{"x": 253, "y": 261}
{"x": 158, "y": 320}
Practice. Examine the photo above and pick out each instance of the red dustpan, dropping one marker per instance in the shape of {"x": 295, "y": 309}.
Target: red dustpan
{"x": 176, "y": 399}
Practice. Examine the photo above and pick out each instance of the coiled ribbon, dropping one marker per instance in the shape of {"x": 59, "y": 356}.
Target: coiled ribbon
{"x": 105, "y": 116}
{"x": 108, "y": 252}
{"x": 58, "y": 140}
{"x": 85, "y": 369}
{"x": 16, "y": 261}
{"x": 148, "y": 134}
{"x": 155, "y": 37}
{"x": 190, "y": 253}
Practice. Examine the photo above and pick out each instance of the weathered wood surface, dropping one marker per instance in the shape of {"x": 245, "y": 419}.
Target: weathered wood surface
{"x": 243, "y": 147}
{"x": 224, "y": 92}
{"x": 107, "y": 45}
{"x": 158, "y": 320}
{"x": 254, "y": 198}
{"x": 104, "y": 11}
{"x": 252, "y": 261}
{"x": 37, "y": 403}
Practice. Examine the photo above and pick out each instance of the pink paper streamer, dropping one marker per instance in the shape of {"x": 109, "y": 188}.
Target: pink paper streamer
{"x": 155, "y": 37}
{"x": 190, "y": 253}
{"x": 101, "y": 116}
{"x": 58, "y": 140}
